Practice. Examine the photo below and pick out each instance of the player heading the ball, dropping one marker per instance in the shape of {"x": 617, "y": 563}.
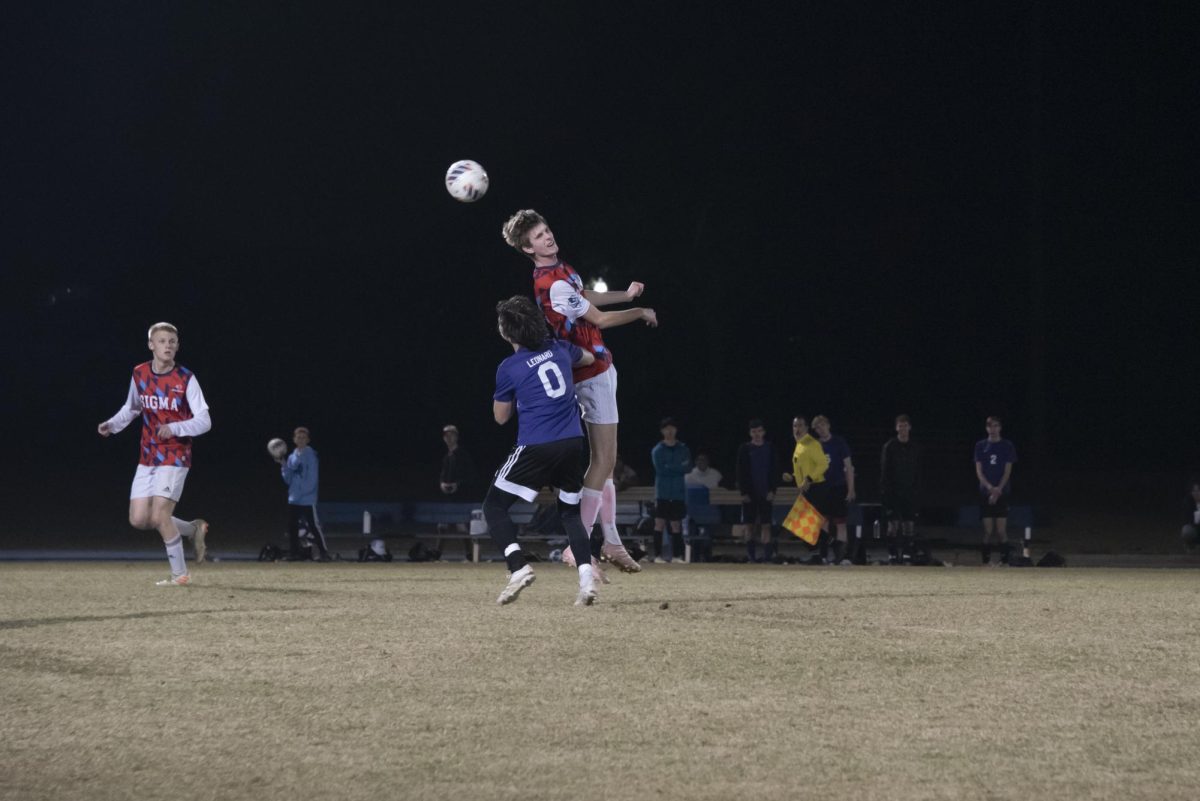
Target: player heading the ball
{"x": 574, "y": 315}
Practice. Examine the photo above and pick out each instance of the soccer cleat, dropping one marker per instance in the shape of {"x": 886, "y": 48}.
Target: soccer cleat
{"x": 201, "y": 533}
{"x": 586, "y": 596}
{"x": 516, "y": 582}
{"x": 598, "y": 575}
{"x": 568, "y": 557}
{"x": 175, "y": 581}
{"x": 617, "y": 555}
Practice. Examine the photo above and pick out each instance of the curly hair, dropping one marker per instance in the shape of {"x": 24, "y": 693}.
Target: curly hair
{"x": 522, "y": 322}
{"x": 516, "y": 230}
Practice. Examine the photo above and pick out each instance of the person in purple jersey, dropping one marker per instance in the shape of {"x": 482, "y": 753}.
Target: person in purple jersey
{"x": 994, "y": 460}
{"x": 536, "y": 382}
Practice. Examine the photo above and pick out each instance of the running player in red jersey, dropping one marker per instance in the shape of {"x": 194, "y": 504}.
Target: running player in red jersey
{"x": 574, "y": 315}
{"x": 168, "y": 398}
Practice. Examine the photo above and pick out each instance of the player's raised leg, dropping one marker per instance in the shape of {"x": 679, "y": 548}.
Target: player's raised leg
{"x": 196, "y": 531}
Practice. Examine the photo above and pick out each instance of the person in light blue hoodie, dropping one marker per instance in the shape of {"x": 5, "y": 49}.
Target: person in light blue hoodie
{"x": 301, "y": 473}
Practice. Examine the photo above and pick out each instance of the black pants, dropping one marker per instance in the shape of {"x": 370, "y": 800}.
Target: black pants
{"x": 308, "y": 515}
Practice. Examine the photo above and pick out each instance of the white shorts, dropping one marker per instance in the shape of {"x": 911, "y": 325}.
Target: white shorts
{"x": 598, "y": 397}
{"x": 161, "y": 481}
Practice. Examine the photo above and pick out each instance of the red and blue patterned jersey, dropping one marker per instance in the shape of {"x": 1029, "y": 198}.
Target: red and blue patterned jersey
{"x": 575, "y": 330}
{"x": 164, "y": 399}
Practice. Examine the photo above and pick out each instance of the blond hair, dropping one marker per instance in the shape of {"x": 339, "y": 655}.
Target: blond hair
{"x": 516, "y": 230}
{"x": 161, "y": 327}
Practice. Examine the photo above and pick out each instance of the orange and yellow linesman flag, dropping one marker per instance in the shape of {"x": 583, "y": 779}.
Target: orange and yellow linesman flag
{"x": 804, "y": 521}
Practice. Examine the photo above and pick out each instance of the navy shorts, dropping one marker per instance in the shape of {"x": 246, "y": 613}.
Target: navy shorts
{"x": 757, "y": 512}
{"x": 997, "y": 509}
{"x": 670, "y": 511}
{"x": 900, "y": 506}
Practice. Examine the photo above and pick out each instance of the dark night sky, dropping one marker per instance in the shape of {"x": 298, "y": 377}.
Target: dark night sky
{"x": 835, "y": 209}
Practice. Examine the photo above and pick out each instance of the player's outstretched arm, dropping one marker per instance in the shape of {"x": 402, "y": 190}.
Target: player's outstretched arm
{"x": 608, "y": 298}
{"x": 125, "y": 415}
{"x": 502, "y": 411}
{"x": 603, "y": 319}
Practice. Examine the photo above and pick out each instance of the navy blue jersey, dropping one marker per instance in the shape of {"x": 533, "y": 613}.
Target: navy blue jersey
{"x": 993, "y": 456}
{"x": 837, "y": 452}
{"x": 540, "y": 381}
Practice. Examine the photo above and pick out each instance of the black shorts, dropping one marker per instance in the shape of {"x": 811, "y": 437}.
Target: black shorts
{"x": 997, "y": 509}
{"x": 821, "y": 499}
{"x": 900, "y": 506}
{"x": 528, "y": 468}
{"x": 669, "y": 510}
{"x": 757, "y": 512}
{"x": 829, "y": 500}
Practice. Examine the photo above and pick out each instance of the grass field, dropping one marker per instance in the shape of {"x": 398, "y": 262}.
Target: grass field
{"x": 757, "y": 682}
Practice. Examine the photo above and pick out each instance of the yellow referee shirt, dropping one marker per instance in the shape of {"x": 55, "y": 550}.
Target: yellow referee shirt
{"x": 809, "y": 461}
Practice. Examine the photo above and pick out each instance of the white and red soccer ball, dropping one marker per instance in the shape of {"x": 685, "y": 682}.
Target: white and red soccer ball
{"x": 466, "y": 181}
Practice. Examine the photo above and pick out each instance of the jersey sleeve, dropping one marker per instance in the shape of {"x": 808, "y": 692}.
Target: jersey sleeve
{"x": 574, "y": 352}
{"x": 565, "y": 300}
{"x": 200, "y": 422}
{"x": 506, "y": 390}
{"x": 129, "y": 411}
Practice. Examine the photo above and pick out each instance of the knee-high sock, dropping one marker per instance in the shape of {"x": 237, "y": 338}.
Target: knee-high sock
{"x": 577, "y": 536}
{"x": 589, "y": 507}
{"x": 501, "y": 528}
{"x": 185, "y": 528}
{"x": 608, "y": 513}
{"x": 175, "y": 556}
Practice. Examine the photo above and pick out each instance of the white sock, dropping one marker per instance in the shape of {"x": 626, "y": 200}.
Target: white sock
{"x": 608, "y": 513}
{"x": 175, "y": 556}
{"x": 585, "y": 577}
{"x": 186, "y": 529}
{"x": 589, "y": 507}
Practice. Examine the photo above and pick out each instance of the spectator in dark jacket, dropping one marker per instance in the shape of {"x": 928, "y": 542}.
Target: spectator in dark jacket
{"x": 756, "y": 481}
{"x": 900, "y": 483}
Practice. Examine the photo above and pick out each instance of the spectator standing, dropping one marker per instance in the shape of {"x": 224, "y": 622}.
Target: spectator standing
{"x": 994, "y": 460}
{"x": 756, "y": 483}
{"x": 458, "y": 476}
{"x": 1191, "y": 517}
{"x": 840, "y": 478}
{"x": 672, "y": 461}
{"x": 900, "y": 482}
{"x": 703, "y": 474}
{"x": 301, "y": 473}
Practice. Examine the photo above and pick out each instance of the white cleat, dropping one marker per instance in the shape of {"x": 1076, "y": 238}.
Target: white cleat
{"x": 516, "y": 582}
{"x": 617, "y": 555}
{"x": 586, "y": 597}
{"x": 201, "y": 533}
{"x": 175, "y": 581}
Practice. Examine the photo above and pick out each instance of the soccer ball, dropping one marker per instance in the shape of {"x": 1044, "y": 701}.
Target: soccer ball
{"x": 277, "y": 448}
{"x": 466, "y": 180}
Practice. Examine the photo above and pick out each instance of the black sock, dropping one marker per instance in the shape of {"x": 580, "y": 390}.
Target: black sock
{"x": 987, "y": 554}
{"x": 515, "y": 560}
{"x": 839, "y": 551}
